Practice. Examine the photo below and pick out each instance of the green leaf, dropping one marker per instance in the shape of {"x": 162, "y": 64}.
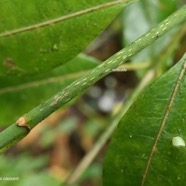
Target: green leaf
{"x": 38, "y": 36}
{"x": 18, "y": 95}
{"x": 25, "y": 169}
{"x": 144, "y": 150}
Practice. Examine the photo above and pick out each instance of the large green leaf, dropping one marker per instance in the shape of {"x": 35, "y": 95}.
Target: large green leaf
{"x": 36, "y": 36}
{"x": 18, "y": 95}
{"x": 144, "y": 150}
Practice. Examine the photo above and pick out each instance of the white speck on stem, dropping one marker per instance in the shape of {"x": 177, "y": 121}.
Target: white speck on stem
{"x": 77, "y": 83}
{"x": 157, "y": 32}
{"x": 84, "y": 83}
{"x": 107, "y": 70}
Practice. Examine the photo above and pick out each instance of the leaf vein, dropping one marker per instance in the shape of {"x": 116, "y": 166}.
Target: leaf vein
{"x": 172, "y": 98}
{"x": 60, "y": 19}
{"x": 40, "y": 82}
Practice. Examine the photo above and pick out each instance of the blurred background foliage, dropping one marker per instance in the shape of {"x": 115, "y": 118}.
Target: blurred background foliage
{"x": 55, "y": 147}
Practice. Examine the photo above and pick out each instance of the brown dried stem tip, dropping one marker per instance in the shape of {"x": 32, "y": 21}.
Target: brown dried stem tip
{"x": 22, "y": 122}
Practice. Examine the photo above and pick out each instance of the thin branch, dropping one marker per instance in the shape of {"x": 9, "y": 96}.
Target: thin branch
{"x": 18, "y": 130}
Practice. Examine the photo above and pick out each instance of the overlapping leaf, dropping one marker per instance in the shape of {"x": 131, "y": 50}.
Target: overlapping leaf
{"x": 141, "y": 151}
{"x": 19, "y": 95}
{"x": 36, "y": 36}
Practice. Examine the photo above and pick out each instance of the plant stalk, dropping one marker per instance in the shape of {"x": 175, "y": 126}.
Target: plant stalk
{"x": 25, "y": 123}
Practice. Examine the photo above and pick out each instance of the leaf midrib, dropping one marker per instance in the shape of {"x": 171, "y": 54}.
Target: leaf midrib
{"x": 40, "y": 82}
{"x": 61, "y": 18}
{"x": 169, "y": 106}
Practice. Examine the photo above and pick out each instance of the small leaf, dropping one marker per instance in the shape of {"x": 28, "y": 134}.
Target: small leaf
{"x": 38, "y": 36}
{"x": 18, "y": 95}
{"x": 142, "y": 151}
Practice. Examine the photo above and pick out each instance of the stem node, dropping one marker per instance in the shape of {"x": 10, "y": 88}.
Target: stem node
{"x": 22, "y": 122}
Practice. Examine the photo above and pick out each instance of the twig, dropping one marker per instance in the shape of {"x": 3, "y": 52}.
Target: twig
{"x": 14, "y": 133}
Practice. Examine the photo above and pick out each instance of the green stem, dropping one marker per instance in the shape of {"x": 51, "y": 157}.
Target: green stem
{"x": 13, "y": 134}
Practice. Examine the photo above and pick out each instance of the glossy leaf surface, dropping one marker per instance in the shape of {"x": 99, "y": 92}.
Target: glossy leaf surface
{"x": 143, "y": 150}
{"x": 36, "y": 36}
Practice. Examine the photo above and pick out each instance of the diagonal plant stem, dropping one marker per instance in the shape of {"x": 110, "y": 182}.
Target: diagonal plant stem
{"x": 13, "y": 134}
